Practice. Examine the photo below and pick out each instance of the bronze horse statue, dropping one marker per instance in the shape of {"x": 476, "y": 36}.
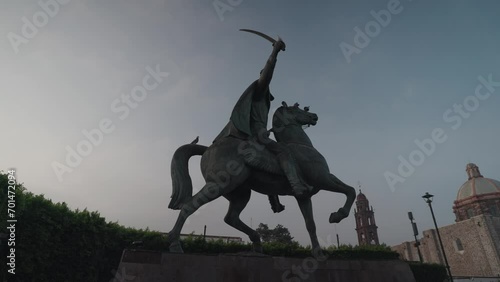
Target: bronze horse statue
{"x": 233, "y": 167}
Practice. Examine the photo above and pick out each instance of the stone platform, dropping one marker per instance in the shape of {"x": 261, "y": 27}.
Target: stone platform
{"x": 141, "y": 265}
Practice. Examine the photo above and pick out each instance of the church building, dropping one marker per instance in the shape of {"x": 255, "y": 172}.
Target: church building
{"x": 472, "y": 243}
{"x": 365, "y": 221}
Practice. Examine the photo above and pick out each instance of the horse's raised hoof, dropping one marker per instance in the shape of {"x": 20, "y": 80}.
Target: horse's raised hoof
{"x": 257, "y": 247}
{"x": 337, "y": 216}
{"x": 279, "y": 208}
{"x": 175, "y": 247}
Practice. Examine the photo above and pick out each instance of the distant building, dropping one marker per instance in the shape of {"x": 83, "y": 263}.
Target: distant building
{"x": 478, "y": 195}
{"x": 365, "y": 221}
{"x": 472, "y": 244}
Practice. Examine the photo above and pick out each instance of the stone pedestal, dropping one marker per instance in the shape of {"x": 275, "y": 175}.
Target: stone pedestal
{"x": 140, "y": 265}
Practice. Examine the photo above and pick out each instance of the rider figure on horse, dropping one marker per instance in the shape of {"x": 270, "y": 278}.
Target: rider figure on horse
{"x": 249, "y": 121}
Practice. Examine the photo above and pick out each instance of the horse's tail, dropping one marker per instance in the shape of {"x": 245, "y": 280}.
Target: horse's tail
{"x": 182, "y": 187}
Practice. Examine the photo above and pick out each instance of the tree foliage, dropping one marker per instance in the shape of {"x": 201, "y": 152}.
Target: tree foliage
{"x": 54, "y": 243}
{"x": 279, "y": 234}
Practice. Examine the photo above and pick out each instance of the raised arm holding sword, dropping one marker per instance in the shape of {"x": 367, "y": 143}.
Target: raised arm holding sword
{"x": 249, "y": 120}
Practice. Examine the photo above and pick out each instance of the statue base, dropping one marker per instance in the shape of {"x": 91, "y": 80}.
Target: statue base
{"x": 142, "y": 265}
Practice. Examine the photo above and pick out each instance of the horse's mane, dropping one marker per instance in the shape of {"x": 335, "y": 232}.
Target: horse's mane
{"x": 277, "y": 121}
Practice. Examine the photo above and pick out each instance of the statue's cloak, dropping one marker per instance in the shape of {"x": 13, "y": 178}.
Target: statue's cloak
{"x": 239, "y": 123}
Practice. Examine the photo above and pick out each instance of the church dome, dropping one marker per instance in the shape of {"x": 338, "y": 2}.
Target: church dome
{"x": 477, "y": 184}
{"x": 477, "y": 196}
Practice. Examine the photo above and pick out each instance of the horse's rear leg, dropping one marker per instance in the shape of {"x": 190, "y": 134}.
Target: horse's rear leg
{"x": 334, "y": 184}
{"x": 238, "y": 200}
{"x": 208, "y": 193}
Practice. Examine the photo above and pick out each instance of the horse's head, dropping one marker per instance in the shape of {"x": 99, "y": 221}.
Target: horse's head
{"x": 293, "y": 115}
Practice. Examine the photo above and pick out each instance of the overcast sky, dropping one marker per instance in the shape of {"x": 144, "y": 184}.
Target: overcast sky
{"x": 377, "y": 87}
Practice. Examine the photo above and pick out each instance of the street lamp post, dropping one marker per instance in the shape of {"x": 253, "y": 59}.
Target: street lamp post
{"x": 428, "y": 199}
{"x": 415, "y": 233}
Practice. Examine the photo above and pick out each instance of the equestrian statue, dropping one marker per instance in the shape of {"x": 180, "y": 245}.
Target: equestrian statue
{"x": 243, "y": 158}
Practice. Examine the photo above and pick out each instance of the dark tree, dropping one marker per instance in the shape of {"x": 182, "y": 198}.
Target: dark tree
{"x": 264, "y": 232}
{"x": 279, "y": 234}
{"x": 282, "y": 235}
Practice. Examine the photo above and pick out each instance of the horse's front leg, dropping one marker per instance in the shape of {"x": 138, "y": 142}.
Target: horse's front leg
{"x": 305, "y": 205}
{"x": 331, "y": 183}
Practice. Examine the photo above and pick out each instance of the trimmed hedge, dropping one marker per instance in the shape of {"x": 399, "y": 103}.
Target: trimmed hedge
{"x": 428, "y": 272}
{"x": 54, "y": 243}
{"x": 196, "y": 244}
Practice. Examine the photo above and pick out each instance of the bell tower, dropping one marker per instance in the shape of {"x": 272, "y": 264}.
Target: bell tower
{"x": 365, "y": 221}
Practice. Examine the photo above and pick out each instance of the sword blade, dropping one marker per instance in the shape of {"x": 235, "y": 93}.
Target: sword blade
{"x": 269, "y": 38}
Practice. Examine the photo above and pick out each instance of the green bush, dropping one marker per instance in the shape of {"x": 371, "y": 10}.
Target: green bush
{"x": 196, "y": 244}
{"x": 428, "y": 272}
{"x": 54, "y": 243}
